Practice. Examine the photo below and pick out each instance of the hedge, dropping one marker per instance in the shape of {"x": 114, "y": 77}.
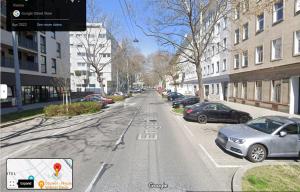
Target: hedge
{"x": 116, "y": 97}
{"x": 72, "y": 109}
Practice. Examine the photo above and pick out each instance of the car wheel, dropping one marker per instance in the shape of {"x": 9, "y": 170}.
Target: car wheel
{"x": 257, "y": 153}
{"x": 202, "y": 119}
{"x": 243, "y": 119}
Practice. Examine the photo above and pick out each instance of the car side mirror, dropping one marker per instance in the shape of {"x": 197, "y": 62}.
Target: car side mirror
{"x": 282, "y": 133}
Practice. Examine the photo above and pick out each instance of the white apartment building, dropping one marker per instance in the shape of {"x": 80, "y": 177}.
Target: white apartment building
{"x": 215, "y": 63}
{"x": 101, "y": 45}
{"x": 43, "y": 58}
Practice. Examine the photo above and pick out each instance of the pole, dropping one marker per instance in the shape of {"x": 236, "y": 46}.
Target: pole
{"x": 127, "y": 77}
{"x": 117, "y": 80}
{"x": 17, "y": 71}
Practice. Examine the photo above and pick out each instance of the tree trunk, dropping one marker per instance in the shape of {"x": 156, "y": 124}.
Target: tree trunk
{"x": 200, "y": 83}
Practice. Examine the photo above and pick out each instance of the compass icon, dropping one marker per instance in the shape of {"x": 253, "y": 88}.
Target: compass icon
{"x": 16, "y": 13}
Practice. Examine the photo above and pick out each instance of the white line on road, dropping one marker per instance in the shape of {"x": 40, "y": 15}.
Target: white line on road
{"x": 16, "y": 152}
{"x": 214, "y": 162}
{"x": 186, "y": 128}
{"x": 96, "y": 177}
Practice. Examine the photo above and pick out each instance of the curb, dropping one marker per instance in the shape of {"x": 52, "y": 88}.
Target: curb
{"x": 236, "y": 182}
{"x": 10, "y": 123}
{"x": 178, "y": 114}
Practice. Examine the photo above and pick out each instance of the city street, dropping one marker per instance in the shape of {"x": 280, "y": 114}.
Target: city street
{"x": 157, "y": 149}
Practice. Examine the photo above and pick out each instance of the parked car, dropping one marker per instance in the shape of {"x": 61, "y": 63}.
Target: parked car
{"x": 104, "y": 99}
{"x": 269, "y": 136}
{"x": 185, "y": 101}
{"x": 174, "y": 95}
{"x": 214, "y": 112}
{"x": 94, "y": 98}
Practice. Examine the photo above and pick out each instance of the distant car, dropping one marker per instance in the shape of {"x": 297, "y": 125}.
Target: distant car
{"x": 269, "y": 136}
{"x": 185, "y": 101}
{"x": 104, "y": 99}
{"x": 174, "y": 95}
{"x": 94, "y": 98}
{"x": 214, "y": 112}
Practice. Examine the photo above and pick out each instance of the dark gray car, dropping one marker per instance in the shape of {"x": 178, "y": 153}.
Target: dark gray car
{"x": 269, "y": 136}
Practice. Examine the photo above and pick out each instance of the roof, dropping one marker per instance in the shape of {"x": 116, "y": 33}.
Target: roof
{"x": 283, "y": 119}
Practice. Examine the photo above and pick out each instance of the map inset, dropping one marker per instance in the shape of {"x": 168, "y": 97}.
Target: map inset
{"x": 39, "y": 173}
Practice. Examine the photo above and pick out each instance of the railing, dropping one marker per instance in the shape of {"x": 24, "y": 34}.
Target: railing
{"x": 26, "y": 43}
{"x": 26, "y": 65}
{"x": 3, "y": 9}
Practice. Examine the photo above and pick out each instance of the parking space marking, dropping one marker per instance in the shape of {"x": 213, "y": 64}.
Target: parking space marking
{"x": 186, "y": 128}
{"x": 214, "y": 162}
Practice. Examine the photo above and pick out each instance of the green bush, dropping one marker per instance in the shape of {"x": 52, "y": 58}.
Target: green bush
{"x": 116, "y": 97}
{"x": 72, "y": 109}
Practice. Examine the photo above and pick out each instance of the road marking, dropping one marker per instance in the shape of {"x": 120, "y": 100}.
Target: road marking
{"x": 30, "y": 146}
{"x": 189, "y": 131}
{"x": 214, "y": 162}
{"x": 186, "y": 128}
{"x": 96, "y": 178}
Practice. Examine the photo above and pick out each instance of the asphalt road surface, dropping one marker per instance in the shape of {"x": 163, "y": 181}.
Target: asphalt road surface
{"x": 156, "y": 153}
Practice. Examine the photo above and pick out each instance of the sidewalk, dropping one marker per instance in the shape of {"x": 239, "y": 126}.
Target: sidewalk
{"x": 256, "y": 111}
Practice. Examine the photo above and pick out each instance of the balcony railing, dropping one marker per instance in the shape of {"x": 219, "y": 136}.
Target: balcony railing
{"x": 26, "y": 65}
{"x": 26, "y": 43}
{"x": 3, "y": 9}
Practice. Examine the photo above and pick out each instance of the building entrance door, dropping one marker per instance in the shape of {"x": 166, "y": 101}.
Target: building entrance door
{"x": 225, "y": 91}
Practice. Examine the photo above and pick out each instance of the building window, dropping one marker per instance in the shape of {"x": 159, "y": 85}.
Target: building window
{"x": 224, "y": 65}
{"x": 237, "y": 12}
{"x": 212, "y": 68}
{"x": 225, "y": 22}
{"x": 278, "y": 11}
{"x": 218, "y": 67}
{"x": 212, "y": 88}
{"x": 236, "y": 61}
{"x": 297, "y": 6}
{"x": 213, "y": 50}
{"x": 236, "y": 36}
{"x": 102, "y": 35}
{"x": 53, "y": 66}
{"x": 297, "y": 43}
{"x": 276, "y": 91}
{"x": 218, "y": 28}
{"x": 225, "y": 43}
{"x": 258, "y": 90}
{"x": 58, "y": 50}
{"x": 208, "y": 70}
{"x": 245, "y": 5}
{"x": 235, "y": 89}
{"x": 218, "y": 89}
{"x": 43, "y": 44}
{"x": 52, "y": 34}
{"x": 80, "y": 54}
{"x": 204, "y": 71}
{"x": 43, "y": 64}
{"x": 259, "y": 55}
{"x": 218, "y": 47}
{"x": 244, "y": 90}
{"x": 260, "y": 23}
{"x": 277, "y": 49}
{"x": 245, "y": 31}
{"x": 245, "y": 59}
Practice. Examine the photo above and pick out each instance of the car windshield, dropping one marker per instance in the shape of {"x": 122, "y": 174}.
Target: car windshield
{"x": 265, "y": 125}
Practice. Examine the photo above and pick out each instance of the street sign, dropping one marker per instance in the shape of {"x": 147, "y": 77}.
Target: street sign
{"x": 3, "y": 91}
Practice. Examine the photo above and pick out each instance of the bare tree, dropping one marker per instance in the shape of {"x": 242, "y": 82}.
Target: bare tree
{"x": 96, "y": 43}
{"x": 188, "y": 26}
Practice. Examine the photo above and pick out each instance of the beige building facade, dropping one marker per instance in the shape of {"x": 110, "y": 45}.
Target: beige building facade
{"x": 265, "y": 60}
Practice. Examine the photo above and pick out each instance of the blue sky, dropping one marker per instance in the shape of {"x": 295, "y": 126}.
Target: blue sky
{"x": 146, "y": 44}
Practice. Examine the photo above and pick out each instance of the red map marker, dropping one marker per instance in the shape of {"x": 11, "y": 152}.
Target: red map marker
{"x": 57, "y": 167}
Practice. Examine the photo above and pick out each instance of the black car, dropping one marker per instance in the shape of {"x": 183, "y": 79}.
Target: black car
{"x": 174, "y": 95}
{"x": 185, "y": 101}
{"x": 214, "y": 112}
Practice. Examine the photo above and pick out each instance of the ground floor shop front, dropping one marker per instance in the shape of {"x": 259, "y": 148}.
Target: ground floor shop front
{"x": 276, "y": 88}
{"x": 34, "y": 89}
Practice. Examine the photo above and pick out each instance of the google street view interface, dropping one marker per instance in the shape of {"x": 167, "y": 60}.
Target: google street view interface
{"x": 150, "y": 95}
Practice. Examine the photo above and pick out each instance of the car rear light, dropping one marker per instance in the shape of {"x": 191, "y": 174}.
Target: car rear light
{"x": 189, "y": 111}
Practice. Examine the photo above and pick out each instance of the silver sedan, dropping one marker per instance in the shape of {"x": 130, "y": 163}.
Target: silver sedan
{"x": 269, "y": 136}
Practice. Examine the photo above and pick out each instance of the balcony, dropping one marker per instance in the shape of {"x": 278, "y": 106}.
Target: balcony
{"x": 3, "y": 9}
{"x": 26, "y": 65}
{"x": 27, "y": 43}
